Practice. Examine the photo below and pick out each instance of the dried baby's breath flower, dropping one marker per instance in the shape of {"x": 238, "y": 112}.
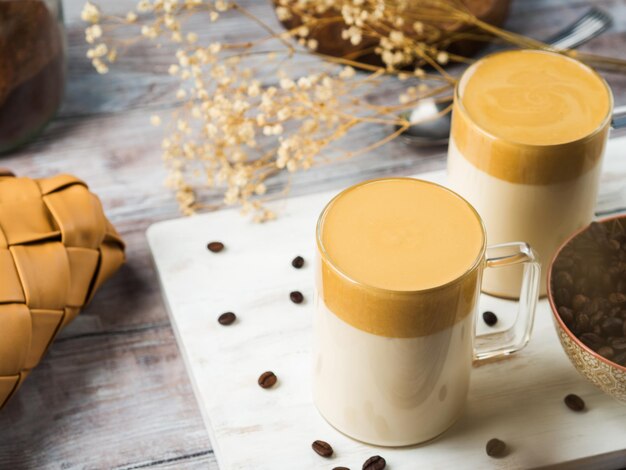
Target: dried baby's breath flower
{"x": 443, "y": 57}
{"x": 112, "y": 55}
{"x": 90, "y": 13}
{"x": 93, "y": 33}
{"x": 250, "y": 111}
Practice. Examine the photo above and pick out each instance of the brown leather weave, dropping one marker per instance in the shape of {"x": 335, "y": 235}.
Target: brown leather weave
{"x": 56, "y": 249}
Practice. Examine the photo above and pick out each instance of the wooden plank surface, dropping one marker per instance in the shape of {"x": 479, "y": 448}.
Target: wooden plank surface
{"x": 113, "y": 392}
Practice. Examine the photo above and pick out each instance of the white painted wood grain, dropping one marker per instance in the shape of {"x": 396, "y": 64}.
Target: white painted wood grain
{"x": 518, "y": 400}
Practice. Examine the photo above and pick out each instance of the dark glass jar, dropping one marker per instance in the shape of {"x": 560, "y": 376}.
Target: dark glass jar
{"x": 32, "y": 68}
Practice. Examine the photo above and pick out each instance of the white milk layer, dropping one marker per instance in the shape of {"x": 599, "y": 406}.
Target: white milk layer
{"x": 389, "y": 391}
{"x": 541, "y": 215}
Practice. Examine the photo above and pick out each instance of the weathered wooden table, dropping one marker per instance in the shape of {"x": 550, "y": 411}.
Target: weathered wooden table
{"x": 113, "y": 391}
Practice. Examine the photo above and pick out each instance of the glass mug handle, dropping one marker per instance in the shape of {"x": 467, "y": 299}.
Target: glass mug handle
{"x": 516, "y": 337}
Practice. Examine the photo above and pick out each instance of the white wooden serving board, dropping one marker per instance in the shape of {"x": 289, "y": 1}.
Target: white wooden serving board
{"x": 518, "y": 400}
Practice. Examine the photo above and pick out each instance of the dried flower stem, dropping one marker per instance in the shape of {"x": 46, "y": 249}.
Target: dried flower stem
{"x": 232, "y": 131}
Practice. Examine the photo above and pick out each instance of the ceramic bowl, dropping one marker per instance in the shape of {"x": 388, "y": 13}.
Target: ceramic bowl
{"x": 604, "y": 374}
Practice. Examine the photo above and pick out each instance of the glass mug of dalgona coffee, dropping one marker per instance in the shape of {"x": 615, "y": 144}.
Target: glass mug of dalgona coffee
{"x": 528, "y": 135}
{"x": 399, "y": 269}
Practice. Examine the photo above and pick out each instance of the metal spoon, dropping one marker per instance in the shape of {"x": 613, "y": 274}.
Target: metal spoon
{"x": 432, "y": 128}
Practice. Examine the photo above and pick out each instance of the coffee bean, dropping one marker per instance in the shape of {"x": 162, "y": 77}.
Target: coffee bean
{"x": 617, "y": 298}
{"x": 592, "y": 340}
{"x": 606, "y": 351}
{"x": 563, "y": 279}
{"x": 566, "y": 314}
{"x": 322, "y": 448}
{"x": 583, "y": 324}
{"x": 574, "y": 402}
{"x": 267, "y": 379}
{"x": 227, "y": 318}
{"x": 579, "y": 301}
{"x": 563, "y": 262}
{"x": 593, "y": 306}
{"x": 495, "y": 448}
{"x": 619, "y": 344}
{"x": 620, "y": 359}
{"x": 490, "y": 318}
{"x": 597, "y": 231}
{"x": 562, "y": 297}
{"x": 596, "y": 318}
{"x": 612, "y": 326}
{"x": 215, "y": 247}
{"x": 296, "y": 297}
{"x": 375, "y": 462}
{"x": 297, "y": 262}
{"x": 6, "y": 172}
{"x": 595, "y": 321}
{"x": 341, "y": 468}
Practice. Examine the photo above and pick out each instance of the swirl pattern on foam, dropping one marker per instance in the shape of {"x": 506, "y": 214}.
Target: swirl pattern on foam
{"x": 535, "y": 98}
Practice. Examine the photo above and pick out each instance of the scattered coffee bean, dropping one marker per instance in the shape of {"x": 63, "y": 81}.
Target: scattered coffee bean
{"x": 574, "y": 402}
{"x": 267, "y": 379}
{"x": 215, "y": 247}
{"x": 227, "y": 318}
{"x": 296, "y": 297}
{"x": 297, "y": 262}
{"x": 495, "y": 448}
{"x": 322, "y": 448}
{"x": 490, "y": 318}
{"x": 375, "y": 462}
{"x": 341, "y": 468}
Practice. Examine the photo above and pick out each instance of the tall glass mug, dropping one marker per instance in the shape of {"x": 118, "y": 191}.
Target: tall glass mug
{"x": 399, "y": 270}
{"x": 528, "y": 134}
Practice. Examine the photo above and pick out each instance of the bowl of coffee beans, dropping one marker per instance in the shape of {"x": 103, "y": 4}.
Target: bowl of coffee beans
{"x": 587, "y": 293}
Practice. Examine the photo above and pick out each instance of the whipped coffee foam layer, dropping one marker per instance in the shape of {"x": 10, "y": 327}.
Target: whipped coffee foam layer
{"x": 401, "y": 234}
{"x": 531, "y": 117}
{"x": 400, "y": 257}
{"x": 535, "y": 98}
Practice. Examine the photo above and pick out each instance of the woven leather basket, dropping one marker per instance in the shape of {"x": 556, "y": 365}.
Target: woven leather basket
{"x": 56, "y": 250}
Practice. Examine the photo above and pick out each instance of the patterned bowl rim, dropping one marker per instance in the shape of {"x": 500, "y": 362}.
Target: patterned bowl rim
{"x": 556, "y": 315}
